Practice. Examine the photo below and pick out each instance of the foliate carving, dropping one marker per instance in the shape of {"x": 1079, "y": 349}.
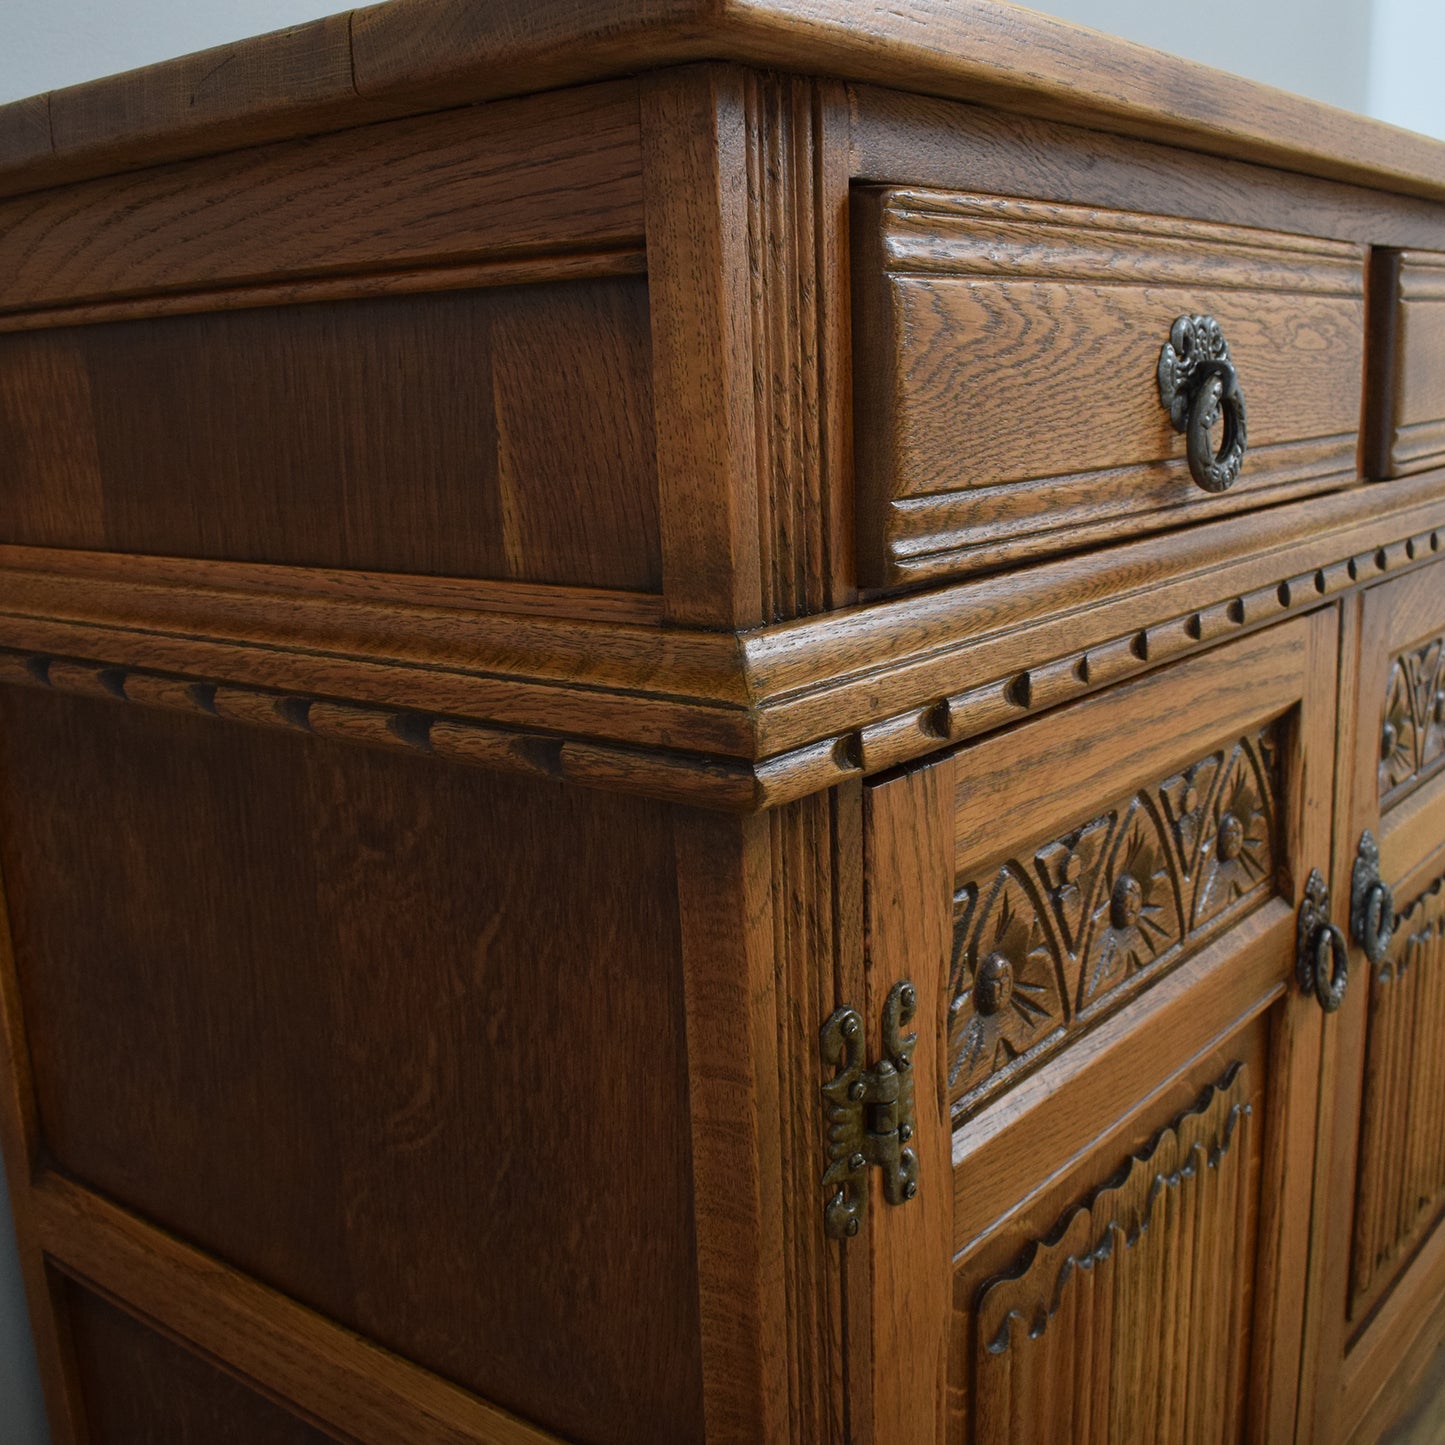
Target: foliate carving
{"x": 1235, "y": 853}
{"x": 1008, "y": 987}
{"x": 1084, "y": 1312}
{"x": 1055, "y": 936}
{"x": 1135, "y": 918}
{"x": 1412, "y": 730}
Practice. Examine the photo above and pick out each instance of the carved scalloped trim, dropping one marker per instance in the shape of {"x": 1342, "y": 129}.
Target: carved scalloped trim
{"x": 1117, "y": 1218}
{"x": 670, "y": 777}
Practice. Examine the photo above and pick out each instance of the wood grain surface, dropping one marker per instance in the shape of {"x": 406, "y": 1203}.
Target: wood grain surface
{"x": 504, "y": 432}
{"x": 416, "y": 54}
{"x": 140, "y": 1388}
{"x": 546, "y": 173}
{"x": 1005, "y": 372}
{"x": 1410, "y": 385}
{"x": 312, "y": 1051}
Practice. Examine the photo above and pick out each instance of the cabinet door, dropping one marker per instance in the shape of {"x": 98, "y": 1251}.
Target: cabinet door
{"x": 1381, "y": 1270}
{"x": 1117, "y": 1070}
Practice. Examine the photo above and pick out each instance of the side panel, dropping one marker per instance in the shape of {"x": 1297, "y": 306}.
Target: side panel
{"x": 402, "y": 1042}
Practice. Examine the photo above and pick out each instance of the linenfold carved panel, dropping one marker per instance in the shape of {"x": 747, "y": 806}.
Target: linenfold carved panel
{"x": 1084, "y": 1338}
{"x": 1400, "y": 1178}
{"x": 1412, "y": 734}
{"x": 1059, "y": 933}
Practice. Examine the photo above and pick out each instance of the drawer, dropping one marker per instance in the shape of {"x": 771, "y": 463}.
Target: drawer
{"x": 1006, "y": 371}
{"x": 1408, "y": 364}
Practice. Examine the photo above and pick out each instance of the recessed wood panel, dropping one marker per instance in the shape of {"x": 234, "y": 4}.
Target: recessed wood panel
{"x": 501, "y": 433}
{"x": 1400, "y": 1184}
{"x": 401, "y": 1040}
{"x": 140, "y": 1388}
{"x": 1130, "y": 1321}
{"x": 1408, "y": 362}
{"x": 1006, "y": 359}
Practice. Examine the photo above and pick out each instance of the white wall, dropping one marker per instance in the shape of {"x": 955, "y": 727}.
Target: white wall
{"x": 45, "y": 44}
{"x": 1378, "y": 56}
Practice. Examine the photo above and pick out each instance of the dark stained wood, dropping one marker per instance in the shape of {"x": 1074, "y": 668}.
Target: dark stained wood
{"x": 695, "y": 168}
{"x": 419, "y": 53}
{"x": 1379, "y": 1278}
{"x": 141, "y": 1389}
{"x": 21, "y": 1139}
{"x": 1146, "y": 1358}
{"x": 550, "y": 173}
{"x": 904, "y": 139}
{"x": 734, "y": 1085}
{"x": 1410, "y": 381}
{"x": 1005, "y": 362}
{"x": 495, "y": 433}
{"x": 903, "y": 1317}
{"x": 817, "y": 913}
{"x": 412, "y": 1102}
{"x": 311, "y": 1366}
{"x": 308, "y": 1056}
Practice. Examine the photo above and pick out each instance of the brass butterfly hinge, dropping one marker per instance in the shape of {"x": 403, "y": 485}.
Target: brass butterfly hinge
{"x": 868, "y": 1112}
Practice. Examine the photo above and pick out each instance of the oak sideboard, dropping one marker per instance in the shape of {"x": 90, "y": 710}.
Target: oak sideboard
{"x": 721, "y": 720}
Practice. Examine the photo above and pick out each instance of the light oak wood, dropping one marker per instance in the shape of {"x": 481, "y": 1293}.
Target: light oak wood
{"x": 1005, "y": 351}
{"x": 552, "y": 173}
{"x": 411, "y": 54}
{"x": 471, "y": 710}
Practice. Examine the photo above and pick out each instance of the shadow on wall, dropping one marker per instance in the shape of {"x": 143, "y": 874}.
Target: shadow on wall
{"x": 22, "y": 1415}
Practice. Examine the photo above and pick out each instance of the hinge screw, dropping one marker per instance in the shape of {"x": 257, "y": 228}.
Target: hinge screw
{"x": 856, "y": 1161}
{"x": 856, "y": 1091}
{"x": 852, "y": 1228}
{"x": 905, "y": 1132}
{"x": 910, "y": 1190}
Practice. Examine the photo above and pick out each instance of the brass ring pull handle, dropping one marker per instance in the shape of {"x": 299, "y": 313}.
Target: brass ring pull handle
{"x": 1372, "y": 902}
{"x": 1197, "y": 385}
{"x": 1322, "y": 957}
{"x": 1332, "y": 966}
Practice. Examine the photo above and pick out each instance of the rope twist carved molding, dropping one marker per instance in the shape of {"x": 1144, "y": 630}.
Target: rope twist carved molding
{"x": 1061, "y": 934}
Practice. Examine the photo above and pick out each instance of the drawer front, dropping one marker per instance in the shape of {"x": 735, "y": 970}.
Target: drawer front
{"x": 1409, "y": 378}
{"x": 1007, "y": 374}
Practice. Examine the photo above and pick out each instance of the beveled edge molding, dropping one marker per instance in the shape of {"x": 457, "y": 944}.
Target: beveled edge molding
{"x": 412, "y": 55}
{"x": 671, "y": 777}
{"x": 734, "y": 721}
{"x": 324, "y": 1373}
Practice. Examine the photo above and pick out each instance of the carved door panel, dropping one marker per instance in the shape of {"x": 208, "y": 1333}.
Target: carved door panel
{"x": 1382, "y": 1165}
{"x": 1117, "y": 1068}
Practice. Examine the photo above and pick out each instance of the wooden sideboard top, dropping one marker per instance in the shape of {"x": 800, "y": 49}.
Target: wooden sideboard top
{"x": 409, "y": 56}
